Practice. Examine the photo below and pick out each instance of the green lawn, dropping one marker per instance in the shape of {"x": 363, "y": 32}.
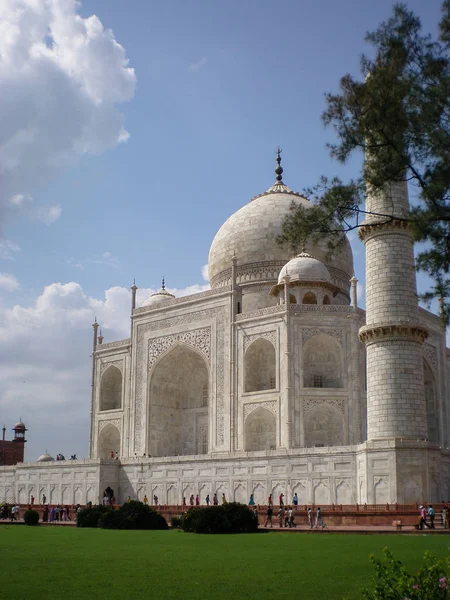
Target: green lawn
{"x": 68, "y": 563}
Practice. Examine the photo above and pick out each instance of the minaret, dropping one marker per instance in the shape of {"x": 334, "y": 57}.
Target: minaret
{"x": 95, "y": 327}
{"x": 393, "y": 333}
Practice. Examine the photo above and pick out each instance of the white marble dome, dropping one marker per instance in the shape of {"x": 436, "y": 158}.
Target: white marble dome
{"x": 160, "y": 296}
{"x": 305, "y": 267}
{"x": 45, "y": 457}
{"x": 251, "y": 233}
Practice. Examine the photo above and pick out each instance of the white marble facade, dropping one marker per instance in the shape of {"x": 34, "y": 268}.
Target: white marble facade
{"x": 256, "y": 386}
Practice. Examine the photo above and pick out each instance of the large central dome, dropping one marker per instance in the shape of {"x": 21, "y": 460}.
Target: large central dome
{"x": 251, "y": 234}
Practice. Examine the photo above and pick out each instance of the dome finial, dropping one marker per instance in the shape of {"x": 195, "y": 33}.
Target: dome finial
{"x": 279, "y": 168}
{"x": 163, "y": 285}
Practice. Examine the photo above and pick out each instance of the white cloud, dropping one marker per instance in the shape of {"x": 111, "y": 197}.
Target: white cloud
{"x": 205, "y": 273}
{"x": 106, "y": 259}
{"x": 61, "y": 79}
{"x": 45, "y": 361}
{"x": 7, "y": 249}
{"x": 8, "y": 282}
{"x": 196, "y": 66}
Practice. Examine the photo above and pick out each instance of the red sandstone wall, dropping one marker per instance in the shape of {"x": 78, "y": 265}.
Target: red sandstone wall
{"x": 11, "y": 453}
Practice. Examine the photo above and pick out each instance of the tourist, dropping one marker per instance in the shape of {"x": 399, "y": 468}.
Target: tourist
{"x": 155, "y": 500}
{"x": 197, "y": 500}
{"x": 52, "y": 514}
{"x": 281, "y": 515}
{"x": 431, "y": 514}
{"x": 129, "y": 499}
{"x": 281, "y": 496}
{"x": 116, "y": 455}
{"x": 32, "y": 499}
{"x": 215, "y": 499}
{"x": 184, "y": 500}
{"x": 269, "y": 500}
{"x": 291, "y": 522}
{"x": 310, "y": 517}
{"x": 445, "y": 517}
{"x": 319, "y": 519}
{"x": 286, "y": 517}
{"x": 207, "y": 500}
{"x": 295, "y": 499}
{"x": 423, "y": 517}
{"x": 224, "y": 500}
{"x": 45, "y": 514}
{"x": 112, "y": 454}
{"x": 44, "y": 499}
{"x": 15, "y": 513}
{"x": 251, "y": 502}
{"x": 269, "y": 516}
{"x": 191, "y": 500}
{"x": 145, "y": 499}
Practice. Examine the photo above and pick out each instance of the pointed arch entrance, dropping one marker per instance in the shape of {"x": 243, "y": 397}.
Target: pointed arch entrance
{"x": 108, "y": 441}
{"x": 179, "y": 402}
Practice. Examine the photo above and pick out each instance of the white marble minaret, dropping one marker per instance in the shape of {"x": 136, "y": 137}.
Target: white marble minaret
{"x": 393, "y": 333}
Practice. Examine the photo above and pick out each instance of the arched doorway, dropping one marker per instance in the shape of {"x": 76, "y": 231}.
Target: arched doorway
{"x": 260, "y": 366}
{"x": 322, "y": 362}
{"x": 111, "y": 389}
{"x": 108, "y": 441}
{"x": 260, "y": 430}
{"x": 324, "y": 426}
{"x": 179, "y": 404}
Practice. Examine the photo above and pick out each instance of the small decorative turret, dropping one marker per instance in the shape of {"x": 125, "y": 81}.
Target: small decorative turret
{"x": 134, "y": 289}
{"x": 100, "y": 338}
{"x": 19, "y": 432}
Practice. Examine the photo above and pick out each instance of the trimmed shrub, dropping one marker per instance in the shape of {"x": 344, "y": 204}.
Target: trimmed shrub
{"x": 176, "y": 522}
{"x": 227, "y": 518}
{"x": 133, "y": 515}
{"x": 31, "y": 517}
{"x": 89, "y": 517}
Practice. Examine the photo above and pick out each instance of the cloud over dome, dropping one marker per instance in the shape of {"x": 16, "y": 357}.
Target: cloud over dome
{"x": 62, "y": 77}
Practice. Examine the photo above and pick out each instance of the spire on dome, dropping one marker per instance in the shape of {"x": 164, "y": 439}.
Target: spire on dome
{"x": 163, "y": 284}
{"x": 279, "y": 168}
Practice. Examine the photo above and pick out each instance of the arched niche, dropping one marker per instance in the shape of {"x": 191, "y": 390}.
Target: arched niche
{"x": 326, "y": 299}
{"x": 292, "y": 299}
{"x": 324, "y": 426}
{"x": 431, "y": 404}
{"x": 260, "y": 366}
{"x": 108, "y": 441}
{"x": 322, "y": 362}
{"x": 260, "y": 430}
{"x": 179, "y": 404}
{"x": 111, "y": 389}
{"x": 309, "y": 298}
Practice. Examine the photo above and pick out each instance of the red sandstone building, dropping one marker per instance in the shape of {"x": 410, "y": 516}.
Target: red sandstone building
{"x": 11, "y": 452}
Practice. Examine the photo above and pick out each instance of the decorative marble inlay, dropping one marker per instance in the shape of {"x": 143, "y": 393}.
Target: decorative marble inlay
{"x": 266, "y": 335}
{"x": 103, "y": 424}
{"x": 309, "y": 403}
{"x": 311, "y": 332}
{"x": 113, "y": 363}
{"x": 430, "y": 354}
{"x": 271, "y": 405}
{"x": 197, "y": 338}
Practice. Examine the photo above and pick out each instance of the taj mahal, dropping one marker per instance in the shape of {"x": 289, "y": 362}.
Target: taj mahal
{"x": 273, "y": 380}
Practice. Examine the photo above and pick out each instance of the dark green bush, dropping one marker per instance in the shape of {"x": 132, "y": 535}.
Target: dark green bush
{"x": 227, "y": 518}
{"x": 176, "y": 522}
{"x": 133, "y": 515}
{"x": 31, "y": 517}
{"x": 89, "y": 517}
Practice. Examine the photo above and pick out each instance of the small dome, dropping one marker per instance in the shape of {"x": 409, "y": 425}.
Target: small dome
{"x": 160, "y": 296}
{"x": 45, "y": 457}
{"x": 20, "y": 425}
{"x": 305, "y": 267}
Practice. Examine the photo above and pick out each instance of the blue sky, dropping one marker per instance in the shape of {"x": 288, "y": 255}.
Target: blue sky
{"x": 219, "y": 85}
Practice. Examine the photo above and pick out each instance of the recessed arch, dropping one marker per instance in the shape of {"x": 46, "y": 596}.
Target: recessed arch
{"x": 322, "y": 362}
{"x": 179, "y": 404}
{"x": 111, "y": 389}
{"x": 309, "y": 298}
{"x": 431, "y": 403}
{"x": 326, "y": 299}
{"x": 260, "y": 430}
{"x": 292, "y": 299}
{"x": 108, "y": 441}
{"x": 260, "y": 366}
{"x": 324, "y": 426}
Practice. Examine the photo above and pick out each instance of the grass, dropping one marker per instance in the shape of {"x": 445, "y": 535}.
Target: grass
{"x": 67, "y": 563}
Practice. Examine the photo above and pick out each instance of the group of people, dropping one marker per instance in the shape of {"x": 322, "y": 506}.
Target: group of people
{"x": 195, "y": 500}
{"x": 427, "y": 517}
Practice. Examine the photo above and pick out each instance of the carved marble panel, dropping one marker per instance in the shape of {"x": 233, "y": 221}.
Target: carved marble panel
{"x": 271, "y": 336}
{"x": 200, "y": 339}
{"x": 270, "y": 405}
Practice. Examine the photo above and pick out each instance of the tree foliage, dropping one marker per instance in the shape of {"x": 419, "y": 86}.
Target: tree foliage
{"x": 398, "y": 114}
